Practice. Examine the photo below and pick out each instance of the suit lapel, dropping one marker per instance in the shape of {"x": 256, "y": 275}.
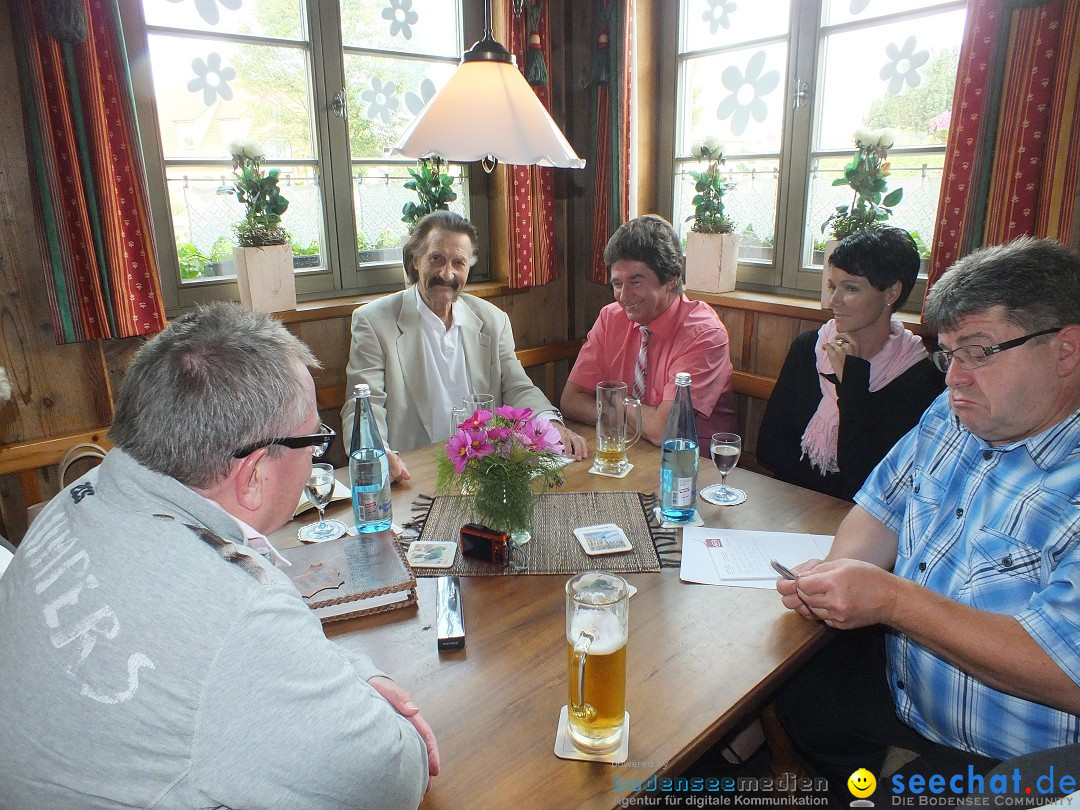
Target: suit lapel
{"x": 477, "y": 347}
{"x": 410, "y": 349}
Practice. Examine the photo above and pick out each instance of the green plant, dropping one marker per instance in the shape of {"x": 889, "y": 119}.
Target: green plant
{"x": 258, "y": 191}
{"x": 388, "y": 239}
{"x": 311, "y": 250}
{"x": 920, "y": 245}
{"x": 865, "y": 174}
{"x": 500, "y": 456}
{"x": 192, "y": 261}
{"x": 748, "y": 237}
{"x": 221, "y": 250}
{"x": 711, "y": 186}
{"x": 432, "y": 187}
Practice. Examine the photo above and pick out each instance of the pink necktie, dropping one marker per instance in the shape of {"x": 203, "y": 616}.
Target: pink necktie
{"x": 640, "y": 371}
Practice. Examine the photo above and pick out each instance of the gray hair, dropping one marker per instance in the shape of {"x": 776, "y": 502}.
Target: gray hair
{"x": 1036, "y": 282}
{"x": 215, "y": 380}
{"x": 649, "y": 239}
{"x": 436, "y": 221}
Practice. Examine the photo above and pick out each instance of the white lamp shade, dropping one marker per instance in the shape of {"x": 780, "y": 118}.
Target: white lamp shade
{"x": 487, "y": 109}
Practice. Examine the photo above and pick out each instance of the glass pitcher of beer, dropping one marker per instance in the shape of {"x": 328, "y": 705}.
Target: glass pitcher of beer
{"x": 613, "y": 410}
{"x": 597, "y": 610}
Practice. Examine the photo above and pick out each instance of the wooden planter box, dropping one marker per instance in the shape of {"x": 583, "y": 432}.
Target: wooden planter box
{"x": 711, "y": 261}
{"x": 265, "y": 277}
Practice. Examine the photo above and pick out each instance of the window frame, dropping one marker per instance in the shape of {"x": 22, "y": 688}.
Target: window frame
{"x": 341, "y": 274}
{"x": 788, "y": 274}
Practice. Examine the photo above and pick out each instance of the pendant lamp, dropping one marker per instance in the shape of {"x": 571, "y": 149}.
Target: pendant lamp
{"x": 487, "y": 112}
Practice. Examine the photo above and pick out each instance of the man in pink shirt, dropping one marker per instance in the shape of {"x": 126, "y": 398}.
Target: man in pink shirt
{"x": 646, "y": 266}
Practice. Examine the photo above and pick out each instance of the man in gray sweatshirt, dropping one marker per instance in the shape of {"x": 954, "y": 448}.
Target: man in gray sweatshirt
{"x": 149, "y": 655}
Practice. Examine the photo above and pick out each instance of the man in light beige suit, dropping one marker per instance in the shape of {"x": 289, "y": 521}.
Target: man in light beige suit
{"x": 421, "y": 350}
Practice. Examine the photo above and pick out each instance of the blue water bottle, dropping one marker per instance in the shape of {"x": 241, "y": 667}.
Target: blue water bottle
{"x": 679, "y": 457}
{"x": 369, "y": 469}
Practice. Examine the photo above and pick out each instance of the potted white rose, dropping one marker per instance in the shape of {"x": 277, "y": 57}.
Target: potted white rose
{"x": 871, "y": 204}
{"x": 264, "y": 264}
{"x": 712, "y": 246}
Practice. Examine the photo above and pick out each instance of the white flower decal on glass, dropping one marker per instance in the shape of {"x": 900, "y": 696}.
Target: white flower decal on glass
{"x": 211, "y": 78}
{"x": 858, "y": 6}
{"x": 415, "y": 101}
{"x": 747, "y": 89}
{"x": 903, "y": 65}
{"x": 401, "y": 17}
{"x": 208, "y": 9}
{"x": 381, "y": 98}
{"x": 717, "y": 14}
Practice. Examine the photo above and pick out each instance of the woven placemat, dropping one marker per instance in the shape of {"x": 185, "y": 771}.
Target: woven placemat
{"x": 553, "y": 548}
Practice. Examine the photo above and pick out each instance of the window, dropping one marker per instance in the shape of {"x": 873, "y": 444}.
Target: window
{"x": 783, "y": 85}
{"x": 323, "y": 90}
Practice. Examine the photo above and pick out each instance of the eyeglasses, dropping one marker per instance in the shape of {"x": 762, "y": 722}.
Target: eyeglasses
{"x": 969, "y": 357}
{"x": 318, "y": 442}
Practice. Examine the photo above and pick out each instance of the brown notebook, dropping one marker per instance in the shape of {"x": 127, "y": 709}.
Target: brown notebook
{"x": 351, "y": 576}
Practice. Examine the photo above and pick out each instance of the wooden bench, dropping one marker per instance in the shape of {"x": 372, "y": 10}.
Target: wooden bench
{"x": 29, "y": 462}
{"x": 752, "y": 385}
{"x": 32, "y": 464}
{"x": 332, "y": 397}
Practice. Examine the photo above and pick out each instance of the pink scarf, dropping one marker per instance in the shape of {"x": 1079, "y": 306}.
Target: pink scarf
{"x": 901, "y": 351}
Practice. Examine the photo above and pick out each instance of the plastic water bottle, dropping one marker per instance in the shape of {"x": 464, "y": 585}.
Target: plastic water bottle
{"x": 369, "y": 469}
{"x": 679, "y": 456}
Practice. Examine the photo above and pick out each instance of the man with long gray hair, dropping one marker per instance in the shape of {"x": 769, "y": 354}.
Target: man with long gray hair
{"x": 150, "y": 656}
{"x": 425, "y": 348}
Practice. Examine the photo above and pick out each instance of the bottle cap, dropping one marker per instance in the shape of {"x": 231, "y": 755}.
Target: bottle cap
{"x": 682, "y": 378}
{"x": 361, "y": 390}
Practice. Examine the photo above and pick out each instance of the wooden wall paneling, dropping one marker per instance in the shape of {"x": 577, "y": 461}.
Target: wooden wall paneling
{"x": 118, "y": 356}
{"x": 329, "y": 339}
{"x": 538, "y": 316}
{"x": 772, "y": 339}
{"x": 56, "y": 389}
{"x": 739, "y": 329}
{"x": 648, "y": 139}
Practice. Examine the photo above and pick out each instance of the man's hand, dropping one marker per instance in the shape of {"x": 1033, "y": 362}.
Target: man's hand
{"x": 398, "y": 470}
{"x": 574, "y": 445}
{"x": 400, "y": 700}
{"x": 788, "y": 590}
{"x": 846, "y": 594}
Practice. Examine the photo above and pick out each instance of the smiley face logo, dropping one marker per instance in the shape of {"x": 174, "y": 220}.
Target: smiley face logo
{"x": 861, "y": 783}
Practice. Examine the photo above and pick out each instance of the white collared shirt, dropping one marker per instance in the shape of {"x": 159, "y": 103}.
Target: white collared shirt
{"x": 445, "y": 356}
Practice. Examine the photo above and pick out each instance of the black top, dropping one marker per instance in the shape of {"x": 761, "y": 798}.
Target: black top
{"x": 870, "y": 423}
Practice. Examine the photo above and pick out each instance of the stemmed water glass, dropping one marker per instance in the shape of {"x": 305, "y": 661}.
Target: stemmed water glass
{"x": 725, "y": 449}
{"x": 319, "y": 490}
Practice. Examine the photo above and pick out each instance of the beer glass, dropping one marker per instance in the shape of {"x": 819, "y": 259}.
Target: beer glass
{"x": 597, "y": 609}
{"x": 613, "y": 409}
{"x": 457, "y": 418}
{"x": 478, "y": 402}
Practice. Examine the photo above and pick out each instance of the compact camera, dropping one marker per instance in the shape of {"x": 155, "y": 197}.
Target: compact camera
{"x": 482, "y": 543}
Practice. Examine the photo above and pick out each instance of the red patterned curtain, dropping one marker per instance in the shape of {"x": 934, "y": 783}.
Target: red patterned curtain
{"x": 610, "y": 163}
{"x": 86, "y": 170}
{"x": 1013, "y": 154}
{"x": 530, "y": 197}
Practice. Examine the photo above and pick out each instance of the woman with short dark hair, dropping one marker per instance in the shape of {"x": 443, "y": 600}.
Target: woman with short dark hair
{"x": 849, "y": 390}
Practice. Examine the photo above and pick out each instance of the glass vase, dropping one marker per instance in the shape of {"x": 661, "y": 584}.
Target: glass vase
{"x": 506, "y": 505}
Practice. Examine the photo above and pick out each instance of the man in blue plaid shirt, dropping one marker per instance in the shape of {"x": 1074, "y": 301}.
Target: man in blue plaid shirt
{"x": 957, "y": 573}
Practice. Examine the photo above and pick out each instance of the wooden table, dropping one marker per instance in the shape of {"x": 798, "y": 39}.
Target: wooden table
{"x": 700, "y": 658}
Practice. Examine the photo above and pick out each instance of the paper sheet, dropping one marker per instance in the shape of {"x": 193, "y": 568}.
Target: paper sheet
{"x": 741, "y": 558}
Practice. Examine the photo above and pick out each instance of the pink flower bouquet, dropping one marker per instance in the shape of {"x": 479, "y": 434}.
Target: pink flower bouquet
{"x": 501, "y": 457}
